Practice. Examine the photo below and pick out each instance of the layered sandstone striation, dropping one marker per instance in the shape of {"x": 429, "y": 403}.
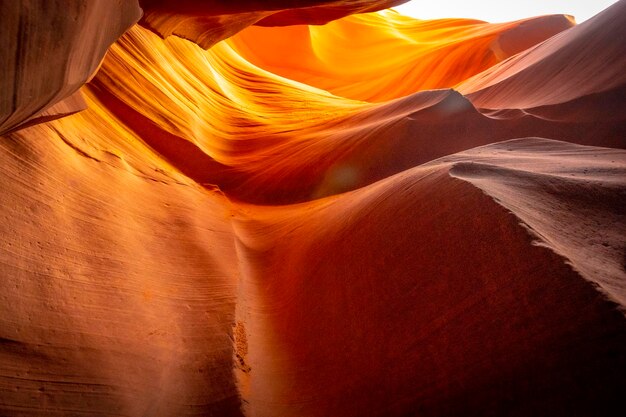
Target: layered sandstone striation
{"x": 376, "y": 217}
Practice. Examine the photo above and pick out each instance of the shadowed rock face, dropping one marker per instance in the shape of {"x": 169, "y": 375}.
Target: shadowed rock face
{"x": 559, "y": 61}
{"x": 208, "y": 22}
{"x": 49, "y": 49}
{"x": 310, "y": 221}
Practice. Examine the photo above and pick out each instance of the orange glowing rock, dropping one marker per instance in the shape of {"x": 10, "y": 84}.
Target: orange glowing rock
{"x": 382, "y": 56}
{"x": 287, "y": 225}
{"x": 265, "y": 138}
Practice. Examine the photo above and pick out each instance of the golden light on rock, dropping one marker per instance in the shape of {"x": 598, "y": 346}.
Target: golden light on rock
{"x": 317, "y": 208}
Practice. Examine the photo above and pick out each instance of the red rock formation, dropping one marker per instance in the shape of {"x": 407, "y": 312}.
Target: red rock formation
{"x": 363, "y": 56}
{"x": 208, "y": 22}
{"x": 48, "y": 51}
{"x": 569, "y": 66}
{"x": 211, "y": 235}
{"x": 421, "y": 294}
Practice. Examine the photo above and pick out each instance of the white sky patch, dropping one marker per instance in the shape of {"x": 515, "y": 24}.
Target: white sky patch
{"x": 497, "y": 11}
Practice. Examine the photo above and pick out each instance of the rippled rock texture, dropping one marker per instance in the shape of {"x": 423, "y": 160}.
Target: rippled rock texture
{"x": 309, "y": 208}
